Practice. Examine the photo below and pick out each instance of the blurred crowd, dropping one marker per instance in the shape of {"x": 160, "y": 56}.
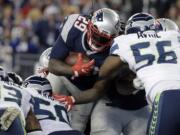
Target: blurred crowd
{"x": 31, "y": 26}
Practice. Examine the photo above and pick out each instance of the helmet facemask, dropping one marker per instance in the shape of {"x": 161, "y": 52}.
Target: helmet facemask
{"x": 98, "y": 40}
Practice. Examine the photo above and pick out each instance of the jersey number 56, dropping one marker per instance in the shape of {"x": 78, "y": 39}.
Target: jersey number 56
{"x": 143, "y": 59}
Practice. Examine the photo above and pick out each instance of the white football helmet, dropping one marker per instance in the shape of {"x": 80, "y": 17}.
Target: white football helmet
{"x": 140, "y": 22}
{"x": 41, "y": 68}
{"x": 41, "y": 84}
{"x": 104, "y": 25}
{"x": 165, "y": 24}
{"x": 44, "y": 58}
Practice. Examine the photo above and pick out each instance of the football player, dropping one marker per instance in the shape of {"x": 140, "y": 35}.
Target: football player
{"x": 155, "y": 58}
{"x": 51, "y": 114}
{"x": 16, "y": 115}
{"x": 91, "y": 36}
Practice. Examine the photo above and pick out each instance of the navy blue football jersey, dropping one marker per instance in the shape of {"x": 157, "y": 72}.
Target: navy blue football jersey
{"x": 73, "y": 38}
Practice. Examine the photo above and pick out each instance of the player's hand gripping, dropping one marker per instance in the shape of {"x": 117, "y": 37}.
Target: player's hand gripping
{"x": 81, "y": 68}
{"x": 67, "y": 100}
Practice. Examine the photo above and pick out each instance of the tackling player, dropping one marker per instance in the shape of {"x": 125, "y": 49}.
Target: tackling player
{"x": 51, "y": 114}
{"x": 16, "y": 114}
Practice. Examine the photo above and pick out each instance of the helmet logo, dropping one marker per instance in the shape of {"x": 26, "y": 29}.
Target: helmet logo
{"x": 99, "y": 16}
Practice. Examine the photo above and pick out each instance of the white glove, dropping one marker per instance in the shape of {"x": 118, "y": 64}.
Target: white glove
{"x": 10, "y": 114}
{"x": 138, "y": 84}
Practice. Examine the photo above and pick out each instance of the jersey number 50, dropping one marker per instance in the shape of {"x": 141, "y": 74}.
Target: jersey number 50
{"x": 143, "y": 60}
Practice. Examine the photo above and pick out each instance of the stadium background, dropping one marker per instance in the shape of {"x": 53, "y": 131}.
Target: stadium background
{"x": 27, "y": 27}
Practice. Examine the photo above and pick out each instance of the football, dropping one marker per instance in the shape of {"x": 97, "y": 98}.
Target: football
{"x": 72, "y": 58}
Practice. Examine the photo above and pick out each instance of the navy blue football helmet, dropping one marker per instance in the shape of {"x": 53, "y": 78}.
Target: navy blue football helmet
{"x": 140, "y": 22}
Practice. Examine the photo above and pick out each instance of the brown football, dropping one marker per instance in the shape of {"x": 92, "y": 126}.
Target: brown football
{"x": 72, "y": 58}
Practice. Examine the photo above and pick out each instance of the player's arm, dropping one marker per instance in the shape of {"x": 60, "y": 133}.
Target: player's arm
{"x": 80, "y": 68}
{"x": 60, "y": 51}
{"x": 107, "y": 71}
{"x": 33, "y": 126}
{"x": 59, "y": 67}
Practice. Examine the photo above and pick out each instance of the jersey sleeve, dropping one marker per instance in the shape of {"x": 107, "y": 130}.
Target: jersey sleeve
{"x": 115, "y": 50}
{"x": 61, "y": 47}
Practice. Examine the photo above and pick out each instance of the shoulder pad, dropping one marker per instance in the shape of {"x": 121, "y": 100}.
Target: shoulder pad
{"x": 68, "y": 24}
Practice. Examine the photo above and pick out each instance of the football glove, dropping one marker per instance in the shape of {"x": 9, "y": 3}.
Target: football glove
{"x": 10, "y": 114}
{"x": 68, "y": 101}
{"x": 80, "y": 68}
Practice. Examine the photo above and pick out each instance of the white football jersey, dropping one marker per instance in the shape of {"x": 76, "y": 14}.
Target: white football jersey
{"x": 155, "y": 57}
{"x": 13, "y": 96}
{"x": 51, "y": 114}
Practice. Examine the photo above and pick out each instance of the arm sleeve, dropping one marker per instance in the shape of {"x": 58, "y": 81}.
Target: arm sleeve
{"x": 60, "y": 49}
{"x": 115, "y": 50}
{"x": 62, "y": 45}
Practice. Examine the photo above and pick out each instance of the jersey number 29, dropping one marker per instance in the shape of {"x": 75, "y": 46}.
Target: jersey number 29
{"x": 81, "y": 23}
